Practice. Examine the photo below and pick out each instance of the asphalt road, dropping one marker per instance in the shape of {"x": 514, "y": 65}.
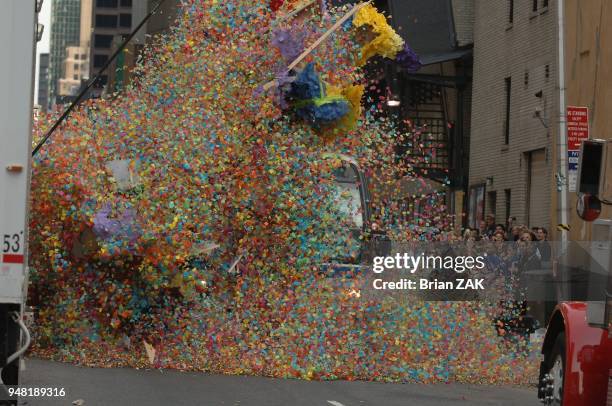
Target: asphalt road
{"x": 117, "y": 387}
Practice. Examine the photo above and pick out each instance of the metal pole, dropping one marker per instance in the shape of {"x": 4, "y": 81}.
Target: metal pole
{"x": 562, "y": 208}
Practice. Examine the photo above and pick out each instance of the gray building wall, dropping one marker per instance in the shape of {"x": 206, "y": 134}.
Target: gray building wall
{"x": 111, "y": 21}
{"x": 502, "y": 49}
{"x": 43, "y": 81}
{"x": 463, "y": 16}
{"x": 65, "y": 29}
{"x": 164, "y": 18}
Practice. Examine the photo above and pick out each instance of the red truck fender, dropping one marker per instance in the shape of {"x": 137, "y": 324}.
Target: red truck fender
{"x": 588, "y": 355}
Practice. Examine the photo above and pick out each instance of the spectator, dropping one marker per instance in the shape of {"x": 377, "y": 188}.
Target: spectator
{"x": 529, "y": 257}
{"x": 482, "y": 228}
{"x": 469, "y": 234}
{"x": 489, "y": 227}
{"x": 516, "y": 233}
{"x": 500, "y": 228}
{"x": 499, "y": 236}
{"x": 543, "y": 244}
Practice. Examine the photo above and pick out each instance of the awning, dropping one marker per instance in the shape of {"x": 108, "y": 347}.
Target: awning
{"x": 430, "y": 59}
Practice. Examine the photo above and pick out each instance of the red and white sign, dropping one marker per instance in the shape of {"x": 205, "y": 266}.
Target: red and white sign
{"x": 577, "y": 126}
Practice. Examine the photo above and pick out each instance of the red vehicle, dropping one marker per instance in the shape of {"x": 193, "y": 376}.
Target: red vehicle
{"x": 577, "y": 365}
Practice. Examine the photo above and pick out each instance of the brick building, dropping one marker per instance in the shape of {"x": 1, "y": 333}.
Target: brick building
{"x": 515, "y": 108}
{"x": 588, "y": 78}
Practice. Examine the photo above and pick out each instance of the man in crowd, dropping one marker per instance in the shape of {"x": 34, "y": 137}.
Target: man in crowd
{"x": 543, "y": 244}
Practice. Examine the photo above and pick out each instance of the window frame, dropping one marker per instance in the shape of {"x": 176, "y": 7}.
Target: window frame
{"x": 100, "y": 17}
{"x": 99, "y": 41}
{"x": 104, "y": 3}
{"x": 97, "y": 58}
{"x": 507, "y": 108}
{"x": 121, "y": 17}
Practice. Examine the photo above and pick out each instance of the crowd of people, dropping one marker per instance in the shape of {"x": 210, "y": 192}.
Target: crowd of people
{"x": 515, "y": 249}
{"x": 491, "y": 231}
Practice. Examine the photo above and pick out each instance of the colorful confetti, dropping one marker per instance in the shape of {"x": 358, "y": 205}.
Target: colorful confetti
{"x": 183, "y": 223}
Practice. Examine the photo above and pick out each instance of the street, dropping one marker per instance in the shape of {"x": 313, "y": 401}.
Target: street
{"x": 305, "y": 202}
{"x": 101, "y": 387}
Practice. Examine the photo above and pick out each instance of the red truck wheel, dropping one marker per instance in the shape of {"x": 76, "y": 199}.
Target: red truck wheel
{"x": 555, "y": 372}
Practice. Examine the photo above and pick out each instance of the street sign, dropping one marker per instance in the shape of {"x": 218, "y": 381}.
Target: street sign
{"x": 577, "y": 126}
{"x": 577, "y": 130}
{"x": 572, "y": 174}
{"x": 572, "y": 159}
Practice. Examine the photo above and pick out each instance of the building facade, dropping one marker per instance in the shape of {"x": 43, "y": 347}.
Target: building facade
{"x": 588, "y": 83}
{"x": 42, "y": 98}
{"x": 76, "y": 63}
{"x": 76, "y": 69}
{"x": 65, "y": 31}
{"x": 113, "y": 21}
{"x": 515, "y": 107}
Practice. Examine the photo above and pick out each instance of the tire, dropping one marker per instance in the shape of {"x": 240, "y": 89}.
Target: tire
{"x": 555, "y": 372}
{"x": 10, "y": 373}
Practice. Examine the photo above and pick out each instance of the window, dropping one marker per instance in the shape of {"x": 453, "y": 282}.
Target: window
{"x": 508, "y": 85}
{"x": 76, "y": 66}
{"x": 102, "y": 41}
{"x": 126, "y": 3}
{"x": 125, "y": 20}
{"x": 535, "y": 5}
{"x": 526, "y": 79}
{"x": 75, "y": 77}
{"x": 547, "y": 72}
{"x": 476, "y": 205}
{"x": 100, "y": 60}
{"x": 544, "y": 3}
{"x": 106, "y": 3}
{"x": 510, "y": 11}
{"x": 106, "y": 21}
{"x": 538, "y": 212}
{"x": 83, "y": 56}
{"x": 492, "y": 202}
{"x": 508, "y": 195}
{"x": 76, "y": 56}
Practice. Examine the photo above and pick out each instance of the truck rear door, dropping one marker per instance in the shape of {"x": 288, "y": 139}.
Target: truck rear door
{"x": 17, "y": 26}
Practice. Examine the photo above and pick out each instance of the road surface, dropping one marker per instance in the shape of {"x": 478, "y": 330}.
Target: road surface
{"x": 129, "y": 387}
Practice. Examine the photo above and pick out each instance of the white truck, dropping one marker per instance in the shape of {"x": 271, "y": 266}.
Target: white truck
{"x": 18, "y": 30}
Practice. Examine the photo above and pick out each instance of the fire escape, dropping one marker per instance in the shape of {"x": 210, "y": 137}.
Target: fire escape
{"x": 425, "y": 118}
{"x": 436, "y": 147}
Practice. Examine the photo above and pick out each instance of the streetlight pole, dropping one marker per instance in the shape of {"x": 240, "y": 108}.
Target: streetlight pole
{"x": 562, "y": 180}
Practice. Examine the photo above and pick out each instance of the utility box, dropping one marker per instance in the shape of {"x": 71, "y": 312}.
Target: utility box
{"x": 595, "y": 169}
